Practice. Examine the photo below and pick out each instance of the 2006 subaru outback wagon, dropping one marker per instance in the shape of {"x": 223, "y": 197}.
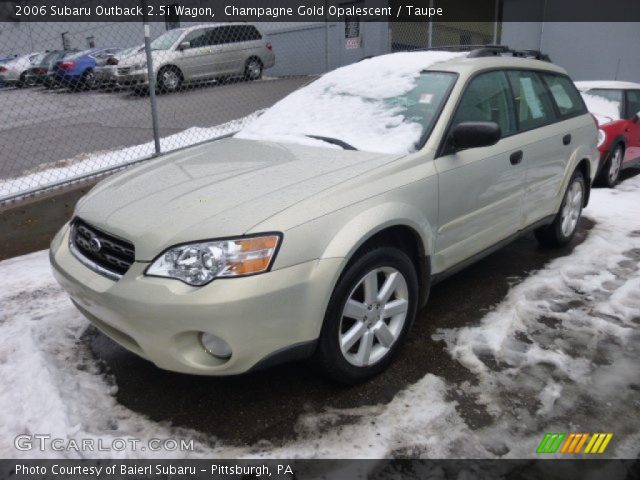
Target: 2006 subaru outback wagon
{"x": 318, "y": 228}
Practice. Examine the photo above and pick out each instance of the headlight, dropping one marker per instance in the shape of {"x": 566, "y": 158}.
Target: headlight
{"x": 199, "y": 263}
{"x": 601, "y": 137}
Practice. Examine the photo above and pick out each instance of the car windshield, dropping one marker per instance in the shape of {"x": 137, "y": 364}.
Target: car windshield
{"x": 130, "y": 51}
{"x": 385, "y": 104}
{"x": 166, "y": 40}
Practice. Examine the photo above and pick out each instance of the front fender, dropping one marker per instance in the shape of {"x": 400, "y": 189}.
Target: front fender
{"x": 362, "y": 227}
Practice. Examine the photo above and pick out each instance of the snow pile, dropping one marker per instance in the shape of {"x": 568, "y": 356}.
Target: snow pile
{"x": 559, "y": 353}
{"x": 349, "y": 104}
{"x": 83, "y": 164}
{"x": 603, "y": 109}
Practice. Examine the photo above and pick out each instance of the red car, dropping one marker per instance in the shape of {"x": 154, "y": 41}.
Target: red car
{"x": 616, "y": 106}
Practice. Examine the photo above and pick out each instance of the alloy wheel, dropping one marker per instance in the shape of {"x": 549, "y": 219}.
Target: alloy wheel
{"x": 571, "y": 208}
{"x": 614, "y": 166}
{"x": 170, "y": 79}
{"x": 374, "y": 316}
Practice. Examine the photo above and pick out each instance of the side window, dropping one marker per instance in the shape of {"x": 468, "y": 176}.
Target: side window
{"x": 488, "y": 99}
{"x": 197, "y": 38}
{"x": 565, "y": 95}
{"x": 633, "y": 103}
{"x": 533, "y": 105}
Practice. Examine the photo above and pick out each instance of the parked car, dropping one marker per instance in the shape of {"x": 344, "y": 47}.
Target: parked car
{"x": 199, "y": 53}
{"x": 39, "y": 73}
{"x": 106, "y": 74}
{"x": 616, "y": 106}
{"x": 318, "y": 231}
{"x": 14, "y": 71}
{"x": 4, "y": 59}
{"x": 77, "y": 70}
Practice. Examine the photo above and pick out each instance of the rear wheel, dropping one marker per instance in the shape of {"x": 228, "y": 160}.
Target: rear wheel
{"x": 611, "y": 171}
{"x": 169, "y": 79}
{"x": 88, "y": 79}
{"x": 369, "y": 315}
{"x": 253, "y": 69}
{"x": 22, "y": 82}
{"x": 561, "y": 231}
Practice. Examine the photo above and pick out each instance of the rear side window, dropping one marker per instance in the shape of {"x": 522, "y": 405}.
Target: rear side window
{"x": 633, "y": 103}
{"x": 488, "y": 99}
{"x": 565, "y": 95}
{"x": 533, "y": 103}
{"x": 244, "y": 33}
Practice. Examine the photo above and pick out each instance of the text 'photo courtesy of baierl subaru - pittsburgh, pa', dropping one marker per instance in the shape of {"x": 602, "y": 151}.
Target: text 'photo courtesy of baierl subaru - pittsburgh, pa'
{"x": 320, "y": 239}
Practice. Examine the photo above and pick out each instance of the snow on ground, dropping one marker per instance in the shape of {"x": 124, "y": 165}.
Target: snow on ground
{"x": 368, "y": 114}
{"x": 50, "y": 173}
{"x": 559, "y": 353}
{"x": 603, "y": 109}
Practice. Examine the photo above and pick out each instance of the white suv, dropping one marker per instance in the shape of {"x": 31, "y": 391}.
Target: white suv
{"x": 318, "y": 231}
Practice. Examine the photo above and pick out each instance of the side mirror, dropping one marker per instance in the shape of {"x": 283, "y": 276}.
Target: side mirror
{"x": 475, "y": 134}
{"x": 184, "y": 45}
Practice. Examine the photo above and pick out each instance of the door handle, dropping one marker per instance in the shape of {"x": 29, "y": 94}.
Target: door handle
{"x": 566, "y": 140}
{"x": 516, "y": 157}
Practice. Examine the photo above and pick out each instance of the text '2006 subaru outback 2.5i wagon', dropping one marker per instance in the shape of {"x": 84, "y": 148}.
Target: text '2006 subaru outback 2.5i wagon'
{"x": 318, "y": 228}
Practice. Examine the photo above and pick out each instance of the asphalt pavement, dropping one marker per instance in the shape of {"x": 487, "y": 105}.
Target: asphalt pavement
{"x": 266, "y": 405}
{"x": 40, "y": 126}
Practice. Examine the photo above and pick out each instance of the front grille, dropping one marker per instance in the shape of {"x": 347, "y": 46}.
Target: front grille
{"x": 103, "y": 253}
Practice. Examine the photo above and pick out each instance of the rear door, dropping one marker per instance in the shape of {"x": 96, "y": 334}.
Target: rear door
{"x": 480, "y": 189}
{"x": 633, "y": 125}
{"x": 546, "y": 148}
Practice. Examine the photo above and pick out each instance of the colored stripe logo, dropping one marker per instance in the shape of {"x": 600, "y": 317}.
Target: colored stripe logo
{"x": 573, "y": 443}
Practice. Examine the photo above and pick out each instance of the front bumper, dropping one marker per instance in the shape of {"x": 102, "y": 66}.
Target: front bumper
{"x": 160, "y": 319}
{"x": 134, "y": 77}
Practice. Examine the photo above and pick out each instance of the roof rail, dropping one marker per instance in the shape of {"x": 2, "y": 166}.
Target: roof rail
{"x": 477, "y": 51}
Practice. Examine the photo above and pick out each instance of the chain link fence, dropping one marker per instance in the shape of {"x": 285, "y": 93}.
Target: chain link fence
{"x": 86, "y": 99}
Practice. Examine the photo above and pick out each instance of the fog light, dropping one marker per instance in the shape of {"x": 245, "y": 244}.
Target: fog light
{"x": 214, "y": 345}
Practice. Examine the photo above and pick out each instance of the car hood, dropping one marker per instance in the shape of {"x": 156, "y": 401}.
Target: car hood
{"x": 215, "y": 190}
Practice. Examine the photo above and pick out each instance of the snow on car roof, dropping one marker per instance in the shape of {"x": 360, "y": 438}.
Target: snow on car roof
{"x": 613, "y": 84}
{"x": 349, "y": 103}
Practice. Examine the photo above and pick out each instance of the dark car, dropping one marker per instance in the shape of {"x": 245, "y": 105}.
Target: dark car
{"x": 39, "y": 74}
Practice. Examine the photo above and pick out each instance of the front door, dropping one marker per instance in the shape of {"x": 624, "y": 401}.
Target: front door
{"x": 480, "y": 189}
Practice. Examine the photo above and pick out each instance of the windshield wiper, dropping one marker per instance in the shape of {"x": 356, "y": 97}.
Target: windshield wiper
{"x": 334, "y": 141}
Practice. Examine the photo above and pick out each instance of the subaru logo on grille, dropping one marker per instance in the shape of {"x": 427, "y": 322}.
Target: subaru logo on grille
{"x": 94, "y": 244}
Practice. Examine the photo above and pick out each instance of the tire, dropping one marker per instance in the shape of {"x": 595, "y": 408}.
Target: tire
{"x": 610, "y": 173}
{"x": 349, "y": 332}
{"x": 253, "y": 69}
{"x": 88, "y": 80}
{"x": 561, "y": 231}
{"x": 22, "y": 82}
{"x": 169, "y": 79}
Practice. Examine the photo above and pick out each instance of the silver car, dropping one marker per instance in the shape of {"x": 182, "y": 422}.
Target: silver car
{"x": 106, "y": 74}
{"x": 14, "y": 72}
{"x": 199, "y": 53}
{"x": 318, "y": 231}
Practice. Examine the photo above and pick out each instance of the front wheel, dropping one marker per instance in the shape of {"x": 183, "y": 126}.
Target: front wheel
{"x": 369, "y": 314}
{"x": 169, "y": 79}
{"x": 561, "y": 231}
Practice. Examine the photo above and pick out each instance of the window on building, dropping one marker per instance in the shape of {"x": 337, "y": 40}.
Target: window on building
{"x": 353, "y": 38}
{"x": 91, "y": 41}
